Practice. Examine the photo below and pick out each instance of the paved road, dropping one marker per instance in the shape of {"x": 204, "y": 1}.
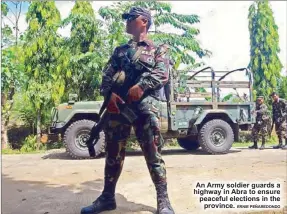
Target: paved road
{"x": 52, "y": 183}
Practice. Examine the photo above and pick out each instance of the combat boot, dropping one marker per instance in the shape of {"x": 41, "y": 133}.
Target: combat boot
{"x": 279, "y": 145}
{"x": 285, "y": 146}
{"x": 254, "y": 146}
{"x": 163, "y": 203}
{"x": 262, "y": 145}
{"x": 105, "y": 202}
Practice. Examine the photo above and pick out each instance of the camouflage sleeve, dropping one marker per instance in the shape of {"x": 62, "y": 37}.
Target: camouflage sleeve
{"x": 263, "y": 109}
{"x": 273, "y": 112}
{"x": 158, "y": 77}
{"x": 285, "y": 107}
{"x": 109, "y": 71}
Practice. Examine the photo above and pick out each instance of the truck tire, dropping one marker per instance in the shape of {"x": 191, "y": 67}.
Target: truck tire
{"x": 216, "y": 137}
{"x": 189, "y": 143}
{"x": 75, "y": 137}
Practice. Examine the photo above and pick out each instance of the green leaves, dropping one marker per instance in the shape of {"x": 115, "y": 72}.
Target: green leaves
{"x": 42, "y": 49}
{"x": 264, "y": 48}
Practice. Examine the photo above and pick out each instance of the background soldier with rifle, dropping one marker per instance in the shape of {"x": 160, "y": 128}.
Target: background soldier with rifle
{"x": 279, "y": 112}
{"x": 260, "y": 128}
{"x": 143, "y": 68}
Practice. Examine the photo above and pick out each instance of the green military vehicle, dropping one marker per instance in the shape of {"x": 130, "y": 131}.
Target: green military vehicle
{"x": 204, "y": 119}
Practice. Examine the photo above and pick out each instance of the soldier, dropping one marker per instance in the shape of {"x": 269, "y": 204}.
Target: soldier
{"x": 144, "y": 94}
{"x": 279, "y": 115}
{"x": 260, "y": 128}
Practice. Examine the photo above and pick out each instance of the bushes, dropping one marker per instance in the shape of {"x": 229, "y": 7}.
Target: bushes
{"x": 246, "y": 137}
{"x": 17, "y": 136}
{"x": 30, "y": 144}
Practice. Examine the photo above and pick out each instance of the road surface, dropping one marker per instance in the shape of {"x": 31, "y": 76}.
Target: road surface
{"x": 53, "y": 183}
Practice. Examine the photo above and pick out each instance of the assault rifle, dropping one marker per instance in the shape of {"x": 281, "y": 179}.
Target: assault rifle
{"x": 125, "y": 111}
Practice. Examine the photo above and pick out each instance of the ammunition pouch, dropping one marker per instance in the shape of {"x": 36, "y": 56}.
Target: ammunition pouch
{"x": 149, "y": 105}
{"x": 265, "y": 117}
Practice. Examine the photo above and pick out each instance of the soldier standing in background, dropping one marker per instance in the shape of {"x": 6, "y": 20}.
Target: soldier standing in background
{"x": 260, "y": 128}
{"x": 279, "y": 115}
{"x": 145, "y": 95}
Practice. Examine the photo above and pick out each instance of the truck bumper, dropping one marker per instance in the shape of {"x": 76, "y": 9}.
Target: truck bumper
{"x": 54, "y": 133}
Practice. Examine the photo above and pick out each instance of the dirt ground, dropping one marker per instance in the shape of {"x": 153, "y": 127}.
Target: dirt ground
{"x": 53, "y": 183}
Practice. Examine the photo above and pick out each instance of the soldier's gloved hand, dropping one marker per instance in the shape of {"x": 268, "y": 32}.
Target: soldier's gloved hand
{"x": 112, "y": 105}
{"x": 135, "y": 93}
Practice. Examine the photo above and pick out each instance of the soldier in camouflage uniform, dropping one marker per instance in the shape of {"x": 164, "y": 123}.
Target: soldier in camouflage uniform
{"x": 145, "y": 92}
{"x": 279, "y": 113}
{"x": 260, "y": 128}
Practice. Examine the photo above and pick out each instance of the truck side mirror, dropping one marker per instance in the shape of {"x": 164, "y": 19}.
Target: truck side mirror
{"x": 73, "y": 98}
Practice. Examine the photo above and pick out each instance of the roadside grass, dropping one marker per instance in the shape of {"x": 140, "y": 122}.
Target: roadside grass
{"x": 17, "y": 151}
{"x": 132, "y": 145}
{"x": 247, "y": 144}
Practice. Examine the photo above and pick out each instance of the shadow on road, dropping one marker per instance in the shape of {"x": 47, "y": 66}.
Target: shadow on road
{"x": 246, "y": 148}
{"x": 29, "y": 197}
{"x": 166, "y": 152}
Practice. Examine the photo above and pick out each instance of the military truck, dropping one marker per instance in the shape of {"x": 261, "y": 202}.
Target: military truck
{"x": 204, "y": 119}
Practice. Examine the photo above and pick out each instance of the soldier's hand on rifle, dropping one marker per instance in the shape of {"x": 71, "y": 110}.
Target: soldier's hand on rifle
{"x": 112, "y": 105}
{"x": 135, "y": 93}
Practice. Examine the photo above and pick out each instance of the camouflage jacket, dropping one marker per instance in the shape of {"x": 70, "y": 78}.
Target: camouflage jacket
{"x": 279, "y": 110}
{"x": 262, "y": 113}
{"x": 151, "y": 71}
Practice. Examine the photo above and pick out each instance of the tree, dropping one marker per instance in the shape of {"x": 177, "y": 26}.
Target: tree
{"x": 264, "y": 48}
{"x": 87, "y": 53}
{"x": 184, "y": 46}
{"x": 15, "y": 11}
{"x": 12, "y": 72}
{"x": 45, "y": 60}
{"x": 114, "y": 24}
{"x": 282, "y": 89}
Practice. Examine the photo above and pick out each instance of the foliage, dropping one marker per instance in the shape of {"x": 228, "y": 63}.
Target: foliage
{"x": 264, "y": 42}
{"x": 45, "y": 59}
{"x": 114, "y": 24}
{"x": 6, "y": 31}
{"x": 30, "y": 144}
{"x": 245, "y": 139}
{"x": 86, "y": 49}
{"x": 181, "y": 44}
{"x": 184, "y": 47}
{"x": 45, "y": 67}
{"x": 282, "y": 87}
{"x": 12, "y": 72}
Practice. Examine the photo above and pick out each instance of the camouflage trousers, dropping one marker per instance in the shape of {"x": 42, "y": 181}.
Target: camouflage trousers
{"x": 147, "y": 131}
{"x": 281, "y": 129}
{"x": 259, "y": 131}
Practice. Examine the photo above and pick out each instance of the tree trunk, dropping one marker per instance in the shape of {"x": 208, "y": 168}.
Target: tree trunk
{"x": 6, "y": 115}
{"x": 38, "y": 129}
{"x": 4, "y": 136}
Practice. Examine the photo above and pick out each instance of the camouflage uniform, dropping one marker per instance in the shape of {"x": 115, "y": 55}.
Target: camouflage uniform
{"x": 279, "y": 112}
{"x": 147, "y": 125}
{"x": 260, "y": 129}
{"x": 150, "y": 73}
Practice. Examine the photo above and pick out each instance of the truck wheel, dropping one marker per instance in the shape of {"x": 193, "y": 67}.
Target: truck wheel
{"x": 189, "y": 143}
{"x": 216, "y": 136}
{"x": 75, "y": 137}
